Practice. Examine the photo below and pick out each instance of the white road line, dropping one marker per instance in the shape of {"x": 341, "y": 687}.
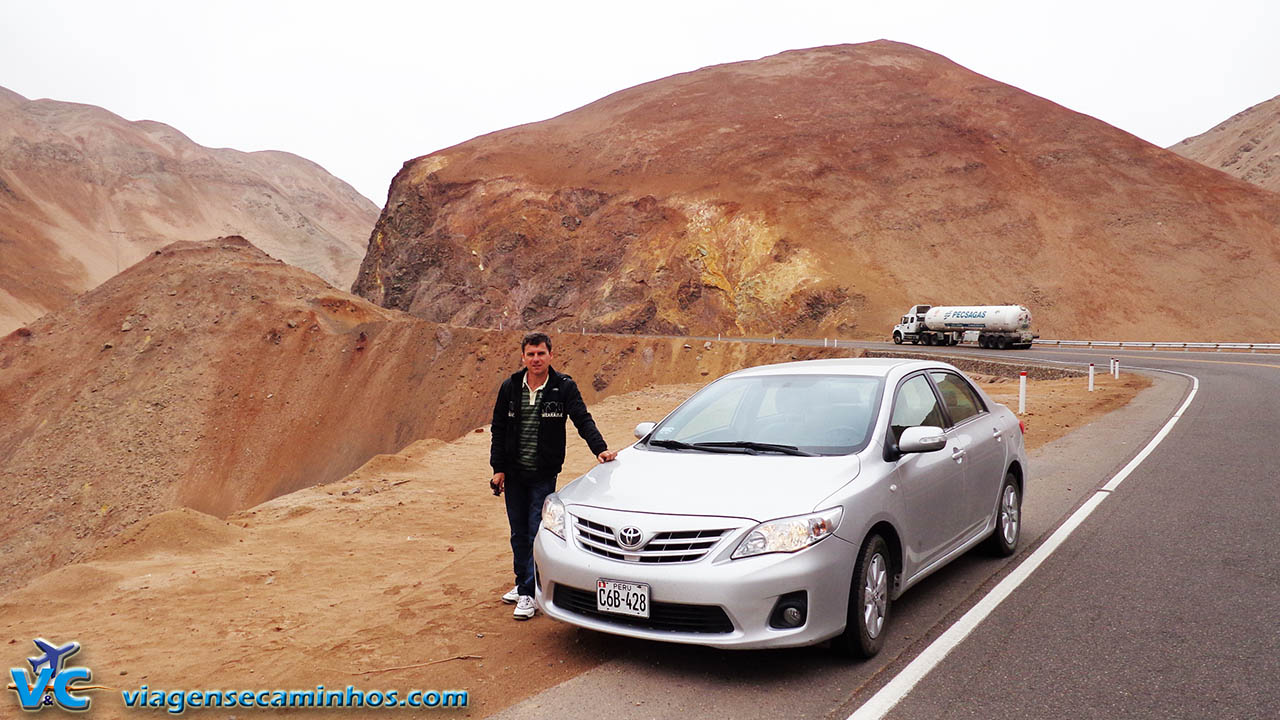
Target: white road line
{"x": 897, "y": 688}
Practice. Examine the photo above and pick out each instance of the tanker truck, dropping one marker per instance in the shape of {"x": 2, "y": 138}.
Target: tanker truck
{"x": 995, "y": 326}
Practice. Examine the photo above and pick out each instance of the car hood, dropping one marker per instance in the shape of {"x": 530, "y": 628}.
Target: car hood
{"x": 758, "y": 487}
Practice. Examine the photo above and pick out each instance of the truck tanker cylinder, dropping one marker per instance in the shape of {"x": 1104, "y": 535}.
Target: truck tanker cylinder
{"x": 984, "y": 318}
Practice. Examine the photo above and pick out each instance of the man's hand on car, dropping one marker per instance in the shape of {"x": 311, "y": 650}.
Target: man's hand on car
{"x": 607, "y": 455}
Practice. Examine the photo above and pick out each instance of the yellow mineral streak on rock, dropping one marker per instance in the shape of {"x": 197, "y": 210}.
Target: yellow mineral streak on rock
{"x": 736, "y": 253}
{"x": 377, "y": 268}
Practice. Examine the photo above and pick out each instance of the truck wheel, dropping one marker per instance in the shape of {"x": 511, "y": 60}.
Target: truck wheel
{"x": 897, "y": 338}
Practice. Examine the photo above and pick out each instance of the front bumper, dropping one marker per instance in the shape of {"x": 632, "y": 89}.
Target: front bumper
{"x": 745, "y": 590}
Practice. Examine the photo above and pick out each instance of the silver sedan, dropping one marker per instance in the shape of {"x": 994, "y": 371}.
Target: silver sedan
{"x": 785, "y": 505}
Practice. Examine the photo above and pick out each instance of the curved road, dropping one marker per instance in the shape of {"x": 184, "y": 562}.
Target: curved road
{"x": 1163, "y": 603}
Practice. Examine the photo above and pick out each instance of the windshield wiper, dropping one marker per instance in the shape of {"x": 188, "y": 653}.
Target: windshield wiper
{"x": 760, "y": 446}
{"x": 704, "y": 447}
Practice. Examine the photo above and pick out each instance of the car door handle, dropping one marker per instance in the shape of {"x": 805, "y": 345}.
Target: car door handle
{"x": 957, "y": 454}
{"x": 995, "y": 433}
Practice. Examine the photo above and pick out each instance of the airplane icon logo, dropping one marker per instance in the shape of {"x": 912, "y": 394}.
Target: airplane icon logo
{"x": 54, "y": 657}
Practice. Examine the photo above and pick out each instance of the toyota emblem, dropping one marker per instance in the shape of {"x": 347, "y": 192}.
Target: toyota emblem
{"x": 629, "y": 537}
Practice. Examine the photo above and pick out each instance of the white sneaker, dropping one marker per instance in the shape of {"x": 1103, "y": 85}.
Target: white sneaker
{"x": 524, "y": 608}
{"x": 512, "y": 596}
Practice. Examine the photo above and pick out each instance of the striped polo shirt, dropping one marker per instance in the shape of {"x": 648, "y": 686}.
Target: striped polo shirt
{"x": 530, "y": 418}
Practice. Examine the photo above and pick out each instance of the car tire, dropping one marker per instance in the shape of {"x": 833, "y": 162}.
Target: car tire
{"x": 868, "y": 614}
{"x": 1004, "y": 539}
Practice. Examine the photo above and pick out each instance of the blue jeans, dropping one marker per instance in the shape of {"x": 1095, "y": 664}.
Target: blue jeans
{"x": 525, "y": 491}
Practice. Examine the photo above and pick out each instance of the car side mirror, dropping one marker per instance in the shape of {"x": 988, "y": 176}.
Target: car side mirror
{"x": 644, "y": 429}
{"x": 921, "y": 439}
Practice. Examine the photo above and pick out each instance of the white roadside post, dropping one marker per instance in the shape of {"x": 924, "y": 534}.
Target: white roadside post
{"x": 1022, "y": 392}
{"x": 1116, "y": 371}
{"x": 1090, "y": 377}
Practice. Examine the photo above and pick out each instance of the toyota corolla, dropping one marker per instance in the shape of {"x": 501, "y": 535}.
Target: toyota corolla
{"x": 785, "y": 505}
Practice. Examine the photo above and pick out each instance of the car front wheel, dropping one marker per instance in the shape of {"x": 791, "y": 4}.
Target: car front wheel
{"x": 868, "y": 601}
{"x": 1004, "y": 540}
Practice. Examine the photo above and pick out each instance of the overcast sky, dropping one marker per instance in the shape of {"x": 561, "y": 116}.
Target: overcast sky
{"x": 360, "y": 87}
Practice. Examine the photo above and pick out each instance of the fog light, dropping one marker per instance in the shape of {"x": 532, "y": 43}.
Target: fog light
{"x": 791, "y": 611}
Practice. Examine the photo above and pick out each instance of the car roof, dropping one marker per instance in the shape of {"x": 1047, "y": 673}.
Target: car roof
{"x": 875, "y": 367}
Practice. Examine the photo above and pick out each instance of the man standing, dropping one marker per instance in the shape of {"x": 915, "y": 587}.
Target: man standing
{"x": 527, "y": 451}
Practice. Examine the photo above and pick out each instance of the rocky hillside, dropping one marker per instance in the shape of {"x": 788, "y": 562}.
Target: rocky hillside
{"x": 83, "y": 193}
{"x": 211, "y": 376}
{"x": 1247, "y": 145}
{"x": 822, "y": 192}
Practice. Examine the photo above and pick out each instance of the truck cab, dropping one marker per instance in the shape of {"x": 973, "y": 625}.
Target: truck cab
{"x": 911, "y": 324}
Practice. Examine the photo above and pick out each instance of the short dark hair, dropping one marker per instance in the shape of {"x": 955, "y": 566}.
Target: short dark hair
{"x": 535, "y": 338}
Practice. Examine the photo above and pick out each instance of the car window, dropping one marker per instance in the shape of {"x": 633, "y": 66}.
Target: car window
{"x": 915, "y": 405}
{"x": 710, "y": 419}
{"x": 824, "y": 414}
{"x": 960, "y": 400}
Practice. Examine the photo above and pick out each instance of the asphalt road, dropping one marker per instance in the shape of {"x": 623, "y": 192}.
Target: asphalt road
{"x": 1163, "y": 603}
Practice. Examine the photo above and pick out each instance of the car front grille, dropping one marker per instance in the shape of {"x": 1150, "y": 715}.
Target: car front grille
{"x": 673, "y": 617}
{"x": 676, "y": 546}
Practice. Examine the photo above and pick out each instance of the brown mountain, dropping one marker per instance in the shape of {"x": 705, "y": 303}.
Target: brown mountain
{"x": 84, "y": 193}
{"x": 819, "y": 192}
{"x": 211, "y": 376}
{"x": 1247, "y": 145}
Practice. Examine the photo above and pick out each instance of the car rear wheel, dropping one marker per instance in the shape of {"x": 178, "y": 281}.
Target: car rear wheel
{"x": 1004, "y": 539}
{"x": 868, "y": 615}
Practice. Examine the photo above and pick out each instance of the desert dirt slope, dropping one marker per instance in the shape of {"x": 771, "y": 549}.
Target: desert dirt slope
{"x": 821, "y": 192}
{"x": 84, "y": 192}
{"x": 1246, "y": 145}
{"x": 211, "y": 376}
{"x": 386, "y": 579}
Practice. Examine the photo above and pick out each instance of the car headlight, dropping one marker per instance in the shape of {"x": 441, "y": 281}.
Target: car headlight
{"x": 553, "y": 515}
{"x": 789, "y": 534}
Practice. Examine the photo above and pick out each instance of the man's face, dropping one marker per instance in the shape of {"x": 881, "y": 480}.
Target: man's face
{"x": 537, "y": 358}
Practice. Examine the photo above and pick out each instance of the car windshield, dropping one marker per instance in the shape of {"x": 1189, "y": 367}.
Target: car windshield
{"x": 811, "y": 414}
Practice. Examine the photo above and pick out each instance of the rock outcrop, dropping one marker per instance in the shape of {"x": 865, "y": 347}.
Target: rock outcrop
{"x": 822, "y": 192}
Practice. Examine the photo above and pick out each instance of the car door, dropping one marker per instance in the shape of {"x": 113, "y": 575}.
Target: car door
{"x": 978, "y": 433}
{"x": 933, "y": 483}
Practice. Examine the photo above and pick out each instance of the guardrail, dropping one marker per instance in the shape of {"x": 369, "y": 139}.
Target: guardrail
{"x": 1184, "y": 346}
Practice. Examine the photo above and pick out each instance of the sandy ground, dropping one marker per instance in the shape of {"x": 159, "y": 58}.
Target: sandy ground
{"x": 387, "y": 579}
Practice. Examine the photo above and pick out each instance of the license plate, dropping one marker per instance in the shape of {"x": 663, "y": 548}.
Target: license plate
{"x": 622, "y": 598}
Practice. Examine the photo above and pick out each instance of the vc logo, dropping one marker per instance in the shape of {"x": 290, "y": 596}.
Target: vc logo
{"x": 51, "y": 683}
